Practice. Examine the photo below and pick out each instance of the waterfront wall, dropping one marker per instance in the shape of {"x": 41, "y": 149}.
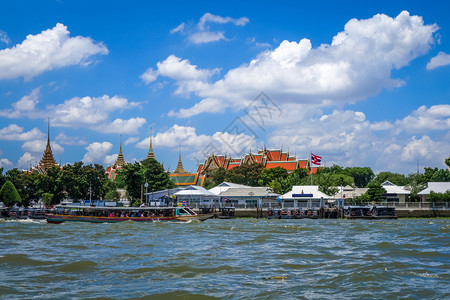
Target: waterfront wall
{"x": 401, "y": 213}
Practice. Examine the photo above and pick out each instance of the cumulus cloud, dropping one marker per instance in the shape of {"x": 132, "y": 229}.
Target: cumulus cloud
{"x": 131, "y": 140}
{"x": 5, "y": 163}
{"x": 48, "y": 50}
{"x": 38, "y": 146}
{"x": 70, "y": 140}
{"x": 97, "y": 153}
{"x": 188, "y": 76}
{"x": 27, "y": 160}
{"x": 436, "y": 117}
{"x": 442, "y": 59}
{"x": 357, "y": 64}
{"x": 93, "y": 113}
{"x": 187, "y": 138}
{"x": 26, "y": 106}
{"x": 14, "y": 132}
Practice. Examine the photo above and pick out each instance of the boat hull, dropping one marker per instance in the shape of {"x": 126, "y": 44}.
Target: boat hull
{"x": 57, "y": 219}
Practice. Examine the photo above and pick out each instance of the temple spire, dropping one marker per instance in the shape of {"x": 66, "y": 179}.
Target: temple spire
{"x": 179, "y": 169}
{"x": 150, "y": 153}
{"x": 120, "y": 161}
{"x": 48, "y": 160}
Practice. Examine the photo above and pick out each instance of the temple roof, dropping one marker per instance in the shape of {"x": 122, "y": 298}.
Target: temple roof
{"x": 47, "y": 160}
{"x": 120, "y": 161}
{"x": 150, "y": 153}
{"x": 179, "y": 169}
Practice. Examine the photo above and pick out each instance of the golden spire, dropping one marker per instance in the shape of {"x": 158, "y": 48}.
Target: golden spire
{"x": 120, "y": 161}
{"x": 179, "y": 169}
{"x": 47, "y": 160}
{"x": 150, "y": 153}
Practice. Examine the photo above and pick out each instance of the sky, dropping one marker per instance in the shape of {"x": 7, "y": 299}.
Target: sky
{"x": 359, "y": 84}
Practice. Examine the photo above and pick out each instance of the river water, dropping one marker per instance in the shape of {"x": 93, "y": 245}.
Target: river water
{"x": 240, "y": 258}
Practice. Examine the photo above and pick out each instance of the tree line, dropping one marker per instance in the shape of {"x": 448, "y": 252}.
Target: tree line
{"x": 80, "y": 182}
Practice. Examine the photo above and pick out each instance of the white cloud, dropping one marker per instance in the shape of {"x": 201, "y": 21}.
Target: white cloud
{"x": 357, "y": 64}
{"x": 188, "y": 77}
{"x": 14, "y": 132}
{"x": 436, "y": 117}
{"x": 210, "y": 18}
{"x": 187, "y": 138}
{"x": 26, "y": 106}
{"x": 97, "y": 153}
{"x": 70, "y": 140}
{"x": 130, "y": 126}
{"x": 4, "y": 37}
{"x": 204, "y": 37}
{"x": 131, "y": 140}
{"x": 50, "y": 49}
{"x": 27, "y": 160}
{"x": 5, "y": 163}
{"x": 149, "y": 75}
{"x": 38, "y": 146}
{"x": 442, "y": 59}
{"x": 201, "y": 34}
{"x": 179, "y": 28}
{"x": 93, "y": 113}
{"x": 209, "y": 105}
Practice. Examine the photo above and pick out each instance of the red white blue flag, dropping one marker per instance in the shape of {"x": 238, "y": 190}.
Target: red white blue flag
{"x": 315, "y": 159}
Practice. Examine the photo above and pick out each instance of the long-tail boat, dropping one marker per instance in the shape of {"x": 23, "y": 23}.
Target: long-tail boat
{"x": 119, "y": 214}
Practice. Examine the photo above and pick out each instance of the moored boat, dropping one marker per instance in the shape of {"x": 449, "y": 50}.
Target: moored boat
{"x": 120, "y": 214}
{"x": 369, "y": 212}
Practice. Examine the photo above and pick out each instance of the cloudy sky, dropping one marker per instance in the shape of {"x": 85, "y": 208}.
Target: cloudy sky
{"x": 360, "y": 85}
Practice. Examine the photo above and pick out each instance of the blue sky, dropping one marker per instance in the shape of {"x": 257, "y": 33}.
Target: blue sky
{"x": 360, "y": 85}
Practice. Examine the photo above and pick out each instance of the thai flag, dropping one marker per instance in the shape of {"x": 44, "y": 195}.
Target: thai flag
{"x": 315, "y": 159}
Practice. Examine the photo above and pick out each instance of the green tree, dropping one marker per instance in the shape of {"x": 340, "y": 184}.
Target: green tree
{"x": 439, "y": 197}
{"x": 441, "y": 175}
{"x": 74, "y": 181}
{"x": 52, "y": 184}
{"x": 112, "y": 195}
{"x": 47, "y": 198}
{"x": 95, "y": 178}
{"x": 284, "y": 185}
{"x": 133, "y": 178}
{"x": 447, "y": 162}
{"x": 9, "y": 195}
{"x": 209, "y": 183}
{"x": 2, "y": 177}
{"x": 415, "y": 185}
{"x": 218, "y": 176}
{"x": 268, "y": 175}
{"x": 375, "y": 191}
{"x": 395, "y": 178}
{"x": 247, "y": 174}
{"x": 361, "y": 176}
{"x": 155, "y": 176}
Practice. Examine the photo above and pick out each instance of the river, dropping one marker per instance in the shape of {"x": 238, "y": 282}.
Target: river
{"x": 231, "y": 259}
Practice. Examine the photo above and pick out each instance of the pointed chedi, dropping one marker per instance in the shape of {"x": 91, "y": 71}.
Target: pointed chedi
{"x": 120, "y": 161}
{"x": 47, "y": 160}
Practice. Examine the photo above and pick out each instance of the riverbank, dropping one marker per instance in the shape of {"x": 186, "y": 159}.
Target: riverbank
{"x": 401, "y": 213}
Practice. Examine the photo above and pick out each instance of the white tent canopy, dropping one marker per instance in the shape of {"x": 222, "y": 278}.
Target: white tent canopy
{"x": 195, "y": 192}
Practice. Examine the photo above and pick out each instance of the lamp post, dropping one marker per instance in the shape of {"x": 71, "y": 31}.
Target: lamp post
{"x": 146, "y": 192}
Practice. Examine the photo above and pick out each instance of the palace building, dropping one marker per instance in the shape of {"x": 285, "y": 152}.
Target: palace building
{"x": 268, "y": 158}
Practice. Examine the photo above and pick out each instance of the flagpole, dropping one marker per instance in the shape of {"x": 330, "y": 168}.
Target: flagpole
{"x": 310, "y": 165}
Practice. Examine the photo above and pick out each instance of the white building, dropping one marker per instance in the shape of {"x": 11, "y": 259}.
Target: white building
{"x": 436, "y": 187}
{"x": 394, "y": 193}
{"x": 304, "y": 196}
